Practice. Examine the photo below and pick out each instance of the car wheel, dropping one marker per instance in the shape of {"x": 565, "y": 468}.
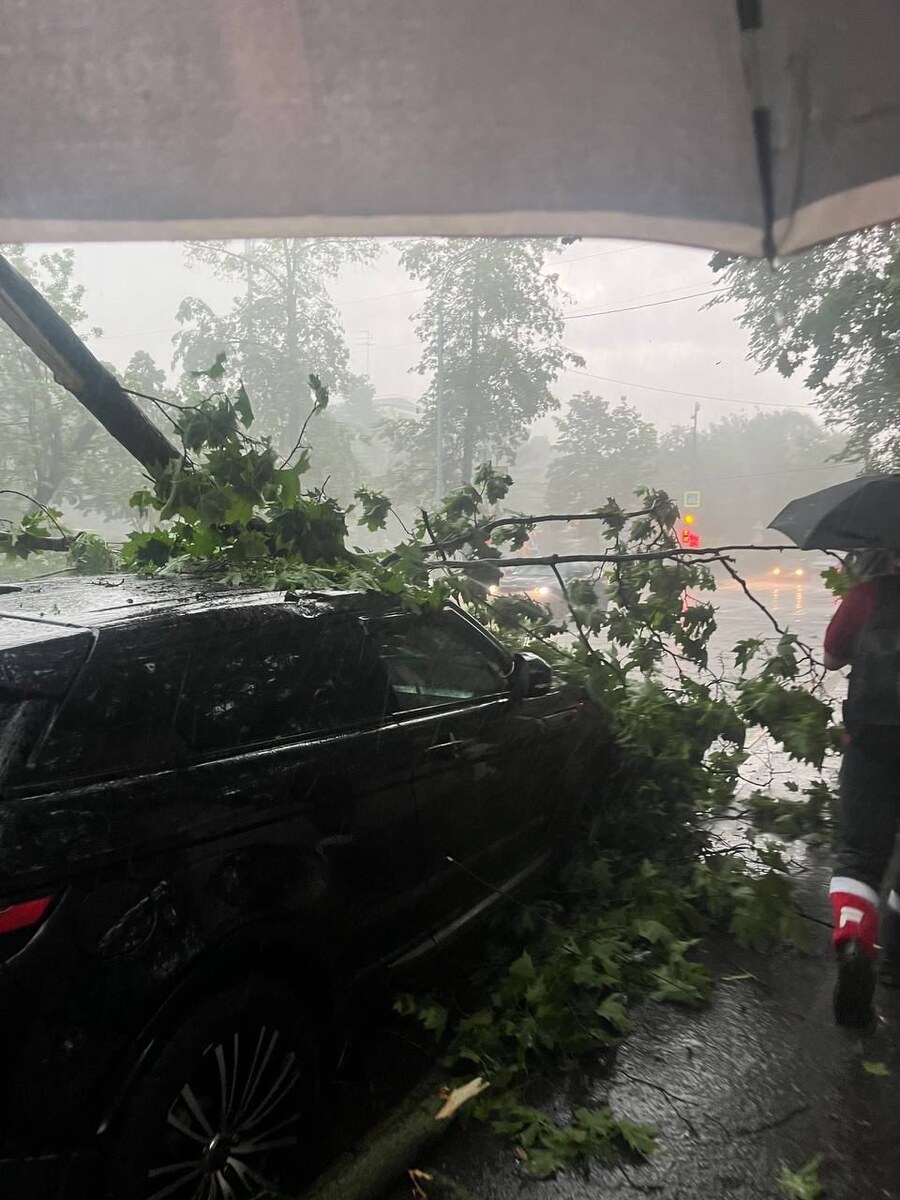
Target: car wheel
{"x": 225, "y": 1108}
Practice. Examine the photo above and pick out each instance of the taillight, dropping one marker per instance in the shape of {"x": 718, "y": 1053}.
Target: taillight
{"x": 24, "y": 915}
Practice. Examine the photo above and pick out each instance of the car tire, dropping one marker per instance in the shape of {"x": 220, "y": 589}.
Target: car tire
{"x": 227, "y": 1100}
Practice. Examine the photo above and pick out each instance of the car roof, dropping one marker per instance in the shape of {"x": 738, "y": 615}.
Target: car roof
{"x": 29, "y": 609}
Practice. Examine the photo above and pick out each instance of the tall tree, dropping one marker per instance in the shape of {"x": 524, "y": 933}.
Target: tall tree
{"x": 600, "y": 452}
{"x": 832, "y": 315}
{"x": 491, "y": 333}
{"x": 282, "y": 325}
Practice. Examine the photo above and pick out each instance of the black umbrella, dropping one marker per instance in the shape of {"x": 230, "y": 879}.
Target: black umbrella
{"x": 849, "y": 516}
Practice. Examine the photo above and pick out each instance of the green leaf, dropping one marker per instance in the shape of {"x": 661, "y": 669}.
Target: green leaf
{"x": 745, "y": 650}
{"x": 613, "y": 1011}
{"x": 653, "y": 931}
{"x": 320, "y": 393}
{"x": 802, "y": 1184}
{"x": 215, "y": 372}
{"x": 492, "y": 483}
{"x": 91, "y": 555}
{"x": 149, "y": 549}
{"x": 875, "y": 1068}
{"x": 288, "y": 481}
{"x": 251, "y": 545}
{"x": 143, "y": 501}
{"x": 242, "y": 406}
{"x": 523, "y": 968}
{"x": 642, "y": 1139}
{"x": 376, "y": 507}
{"x": 214, "y": 504}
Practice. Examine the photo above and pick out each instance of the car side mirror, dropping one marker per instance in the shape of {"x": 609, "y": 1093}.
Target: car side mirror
{"x": 531, "y": 676}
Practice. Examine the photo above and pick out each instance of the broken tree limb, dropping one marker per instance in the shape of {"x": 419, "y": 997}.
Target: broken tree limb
{"x": 391, "y": 1148}
{"x": 76, "y": 369}
{"x": 30, "y": 543}
{"x": 434, "y": 1185}
{"x": 707, "y": 554}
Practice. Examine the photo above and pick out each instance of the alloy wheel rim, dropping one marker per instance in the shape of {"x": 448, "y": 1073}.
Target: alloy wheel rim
{"x": 241, "y": 1105}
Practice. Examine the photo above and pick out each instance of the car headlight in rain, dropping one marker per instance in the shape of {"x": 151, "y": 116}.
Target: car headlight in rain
{"x": 799, "y": 571}
{"x": 494, "y": 590}
{"x": 776, "y": 570}
{"x": 543, "y": 591}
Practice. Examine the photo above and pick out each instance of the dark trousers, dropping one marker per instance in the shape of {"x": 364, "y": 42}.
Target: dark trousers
{"x": 869, "y": 807}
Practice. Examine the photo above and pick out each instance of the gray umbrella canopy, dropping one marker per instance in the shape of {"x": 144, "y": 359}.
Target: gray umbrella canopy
{"x": 849, "y": 516}
{"x": 753, "y": 126}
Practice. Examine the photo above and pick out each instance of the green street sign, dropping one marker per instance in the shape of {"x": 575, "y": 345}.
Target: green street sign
{"x": 691, "y": 500}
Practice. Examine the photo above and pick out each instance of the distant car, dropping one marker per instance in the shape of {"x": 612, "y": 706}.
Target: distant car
{"x": 799, "y": 566}
{"x": 790, "y": 567}
{"x": 220, "y": 814}
{"x": 539, "y": 583}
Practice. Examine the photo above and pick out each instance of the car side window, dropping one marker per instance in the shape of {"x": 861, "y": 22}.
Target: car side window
{"x": 283, "y": 678}
{"x": 438, "y": 659}
{"x": 118, "y": 716}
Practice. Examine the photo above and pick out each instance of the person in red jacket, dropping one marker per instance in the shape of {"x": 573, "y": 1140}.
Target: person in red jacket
{"x": 865, "y": 633}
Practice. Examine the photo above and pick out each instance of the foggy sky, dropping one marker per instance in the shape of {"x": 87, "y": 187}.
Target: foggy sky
{"x": 133, "y": 291}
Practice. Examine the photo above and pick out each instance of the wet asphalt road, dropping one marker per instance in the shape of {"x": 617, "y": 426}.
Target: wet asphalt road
{"x": 760, "y": 1077}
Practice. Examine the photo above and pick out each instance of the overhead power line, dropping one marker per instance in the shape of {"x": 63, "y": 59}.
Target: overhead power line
{"x": 384, "y": 296}
{"x": 561, "y": 262}
{"x": 605, "y": 312}
{"x": 784, "y": 471}
{"x": 649, "y": 387}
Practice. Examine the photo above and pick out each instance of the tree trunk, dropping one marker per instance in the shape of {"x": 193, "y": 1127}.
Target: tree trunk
{"x": 76, "y": 369}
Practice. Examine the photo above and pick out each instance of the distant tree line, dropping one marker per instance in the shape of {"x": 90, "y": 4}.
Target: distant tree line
{"x": 492, "y": 352}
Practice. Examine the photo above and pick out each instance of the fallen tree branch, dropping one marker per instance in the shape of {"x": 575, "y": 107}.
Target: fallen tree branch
{"x": 488, "y": 527}
{"x": 708, "y": 554}
{"x": 388, "y": 1150}
{"x": 435, "y": 1185}
{"x": 31, "y": 543}
{"x": 57, "y": 345}
{"x": 585, "y": 640}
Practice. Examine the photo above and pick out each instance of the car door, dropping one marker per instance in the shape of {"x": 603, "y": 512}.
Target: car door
{"x": 292, "y": 720}
{"x": 479, "y": 777}
{"x": 252, "y": 753}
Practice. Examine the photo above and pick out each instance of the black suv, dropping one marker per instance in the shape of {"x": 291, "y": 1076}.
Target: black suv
{"x": 218, "y": 813}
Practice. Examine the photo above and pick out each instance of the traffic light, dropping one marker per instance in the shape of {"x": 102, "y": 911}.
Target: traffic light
{"x": 690, "y": 538}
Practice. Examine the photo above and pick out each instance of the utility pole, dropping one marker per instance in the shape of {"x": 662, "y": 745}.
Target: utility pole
{"x": 694, "y": 444}
{"x": 248, "y": 259}
{"x": 439, "y": 405}
{"x": 368, "y": 342}
{"x": 468, "y": 455}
